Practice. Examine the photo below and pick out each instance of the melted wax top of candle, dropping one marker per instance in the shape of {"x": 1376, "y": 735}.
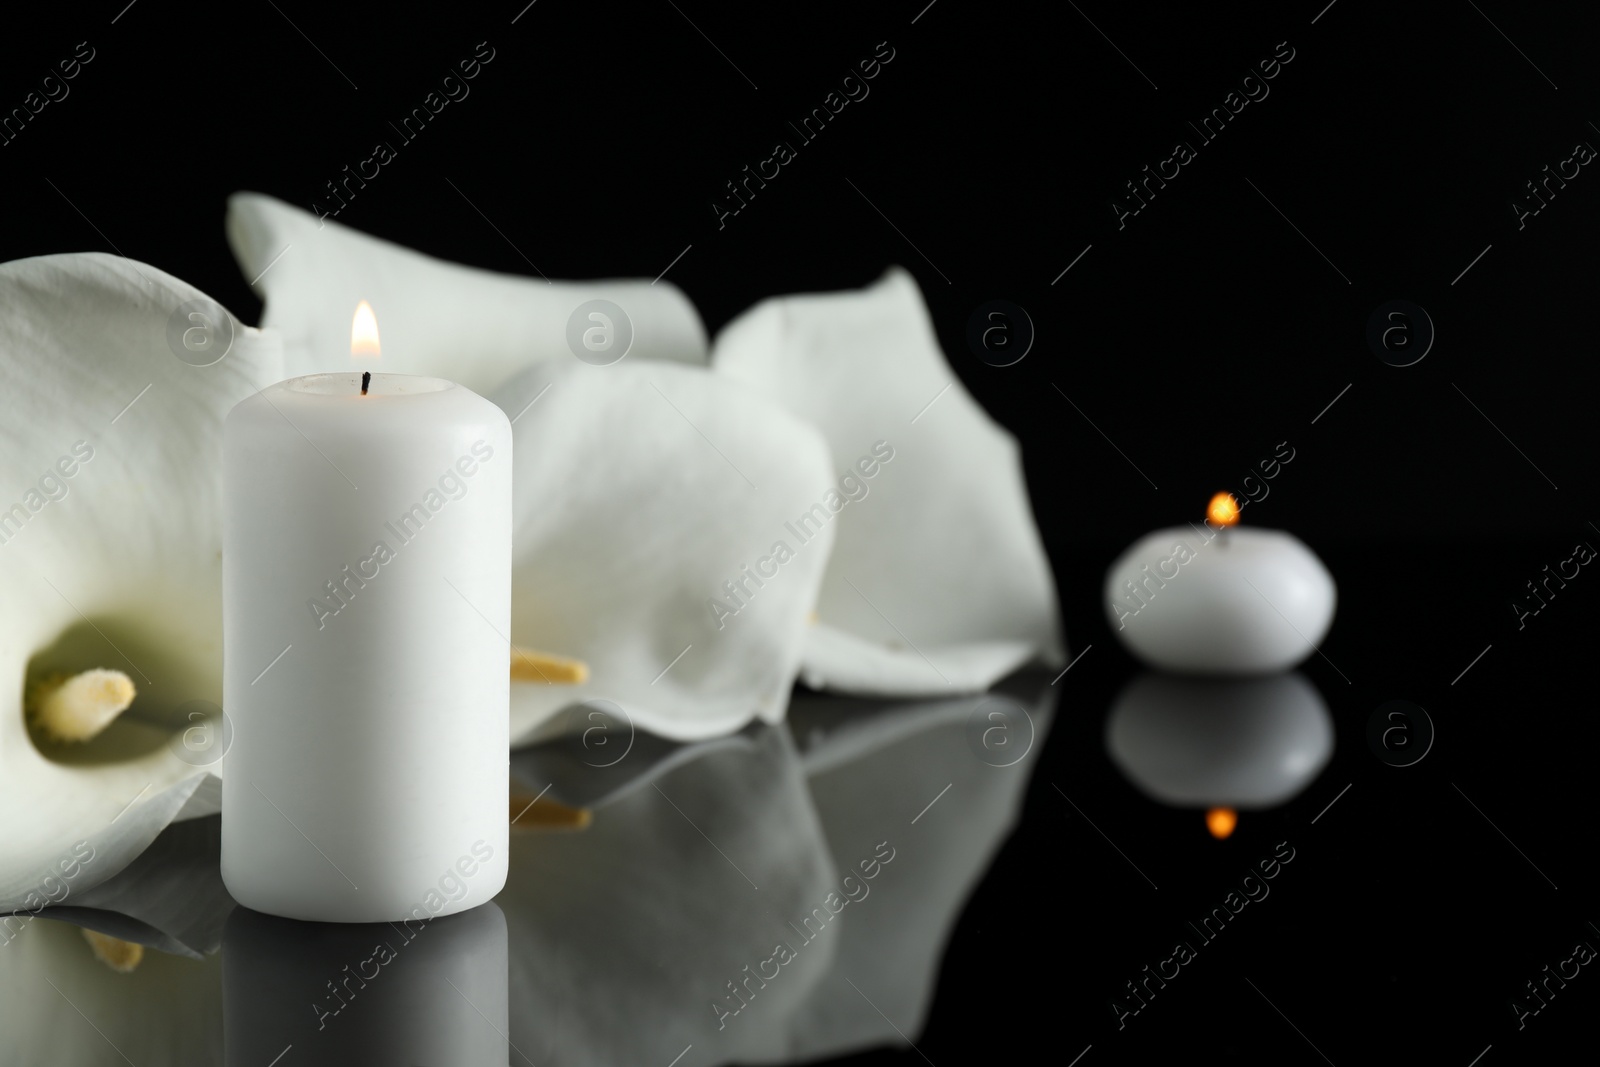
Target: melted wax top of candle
{"x": 348, "y": 384}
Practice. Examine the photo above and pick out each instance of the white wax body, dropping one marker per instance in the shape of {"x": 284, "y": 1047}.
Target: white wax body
{"x": 366, "y": 614}
{"x": 1245, "y": 602}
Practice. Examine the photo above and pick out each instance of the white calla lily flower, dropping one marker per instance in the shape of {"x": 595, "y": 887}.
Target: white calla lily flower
{"x": 472, "y": 326}
{"x": 114, "y": 381}
{"x": 938, "y": 582}
{"x": 651, "y": 497}
{"x": 649, "y": 540}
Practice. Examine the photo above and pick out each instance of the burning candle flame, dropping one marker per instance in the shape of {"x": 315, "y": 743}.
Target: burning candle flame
{"x": 1223, "y": 510}
{"x": 364, "y": 333}
{"x": 1221, "y": 821}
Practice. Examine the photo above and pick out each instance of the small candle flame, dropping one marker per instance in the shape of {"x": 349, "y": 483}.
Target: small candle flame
{"x": 1221, "y": 821}
{"x": 1223, "y": 510}
{"x": 364, "y": 333}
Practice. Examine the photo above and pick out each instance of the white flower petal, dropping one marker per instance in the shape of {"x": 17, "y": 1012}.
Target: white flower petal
{"x": 841, "y": 661}
{"x": 641, "y": 490}
{"x": 940, "y": 561}
{"x": 171, "y": 897}
{"x": 475, "y": 327}
{"x": 119, "y": 564}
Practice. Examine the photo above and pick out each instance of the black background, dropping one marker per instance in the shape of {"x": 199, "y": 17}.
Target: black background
{"x": 1196, "y": 338}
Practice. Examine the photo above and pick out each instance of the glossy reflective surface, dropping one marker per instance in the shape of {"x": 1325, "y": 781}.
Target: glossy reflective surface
{"x": 780, "y": 895}
{"x": 971, "y": 877}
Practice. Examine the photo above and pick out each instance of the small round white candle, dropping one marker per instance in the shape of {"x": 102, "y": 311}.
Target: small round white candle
{"x": 366, "y": 614}
{"x": 1203, "y": 601}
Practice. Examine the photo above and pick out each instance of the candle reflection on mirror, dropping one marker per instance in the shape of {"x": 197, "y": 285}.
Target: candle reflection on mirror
{"x": 421, "y": 991}
{"x": 1220, "y": 745}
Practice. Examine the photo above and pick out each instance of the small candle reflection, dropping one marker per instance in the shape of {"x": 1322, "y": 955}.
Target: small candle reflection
{"x": 422, "y": 991}
{"x": 1219, "y": 744}
{"x": 1221, "y": 821}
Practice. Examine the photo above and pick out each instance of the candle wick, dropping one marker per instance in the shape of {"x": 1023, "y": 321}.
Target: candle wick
{"x": 366, "y": 379}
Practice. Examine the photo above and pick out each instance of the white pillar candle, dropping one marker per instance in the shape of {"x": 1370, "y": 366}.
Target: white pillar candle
{"x": 366, "y": 622}
{"x": 1240, "y": 601}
